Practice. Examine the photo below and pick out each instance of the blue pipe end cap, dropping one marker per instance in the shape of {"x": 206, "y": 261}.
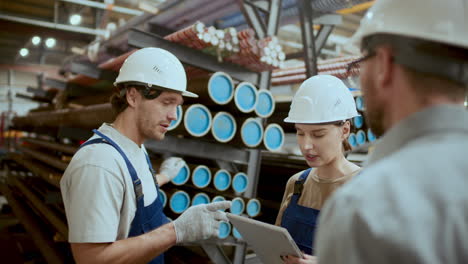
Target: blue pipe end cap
{"x": 240, "y": 182}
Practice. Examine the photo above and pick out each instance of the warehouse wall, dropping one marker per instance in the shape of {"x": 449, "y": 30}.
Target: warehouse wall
{"x": 16, "y": 81}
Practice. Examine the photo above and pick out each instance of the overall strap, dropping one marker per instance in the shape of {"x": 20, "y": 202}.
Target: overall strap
{"x": 299, "y": 184}
{"x": 136, "y": 181}
{"x": 153, "y": 172}
{"x": 94, "y": 141}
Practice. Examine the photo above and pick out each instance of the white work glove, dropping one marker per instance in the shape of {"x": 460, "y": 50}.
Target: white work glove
{"x": 200, "y": 222}
{"x": 170, "y": 167}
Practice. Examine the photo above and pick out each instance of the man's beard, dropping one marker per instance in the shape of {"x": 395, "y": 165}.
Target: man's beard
{"x": 374, "y": 119}
{"x": 148, "y": 131}
{"x": 374, "y": 110}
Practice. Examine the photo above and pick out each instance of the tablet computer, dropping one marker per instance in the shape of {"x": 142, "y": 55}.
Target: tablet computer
{"x": 269, "y": 242}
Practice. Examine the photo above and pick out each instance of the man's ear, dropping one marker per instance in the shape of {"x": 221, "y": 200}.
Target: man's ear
{"x": 385, "y": 68}
{"x": 345, "y": 130}
{"x": 132, "y": 95}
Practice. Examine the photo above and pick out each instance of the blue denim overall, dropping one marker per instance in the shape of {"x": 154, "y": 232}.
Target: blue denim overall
{"x": 300, "y": 221}
{"x": 146, "y": 218}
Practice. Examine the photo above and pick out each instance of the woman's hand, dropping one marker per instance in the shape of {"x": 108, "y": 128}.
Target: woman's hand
{"x": 308, "y": 259}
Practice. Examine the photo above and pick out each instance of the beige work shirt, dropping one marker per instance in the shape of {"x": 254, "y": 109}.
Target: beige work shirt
{"x": 98, "y": 193}
{"x": 410, "y": 203}
{"x": 316, "y": 191}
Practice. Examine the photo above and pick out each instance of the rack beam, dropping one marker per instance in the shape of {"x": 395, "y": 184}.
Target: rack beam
{"x": 197, "y": 148}
{"x": 92, "y": 71}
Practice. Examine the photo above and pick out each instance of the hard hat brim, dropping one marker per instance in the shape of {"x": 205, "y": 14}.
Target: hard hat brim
{"x": 184, "y": 93}
{"x": 316, "y": 122}
{"x": 189, "y": 94}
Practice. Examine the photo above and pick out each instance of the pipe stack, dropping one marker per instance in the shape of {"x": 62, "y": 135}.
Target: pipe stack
{"x": 336, "y": 67}
{"x": 232, "y": 113}
{"x": 195, "y": 36}
{"x": 237, "y": 47}
{"x": 258, "y": 55}
{"x": 360, "y": 133}
{"x": 208, "y": 185}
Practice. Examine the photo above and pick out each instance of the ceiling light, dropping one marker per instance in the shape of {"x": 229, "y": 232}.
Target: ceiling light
{"x": 75, "y": 19}
{"x": 36, "y": 40}
{"x": 50, "y": 42}
{"x": 24, "y": 52}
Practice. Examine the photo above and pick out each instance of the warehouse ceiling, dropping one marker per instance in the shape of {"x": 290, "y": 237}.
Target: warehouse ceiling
{"x": 21, "y": 20}
{"x": 175, "y": 14}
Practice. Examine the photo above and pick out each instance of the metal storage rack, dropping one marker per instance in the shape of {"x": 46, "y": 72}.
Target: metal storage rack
{"x": 263, "y": 17}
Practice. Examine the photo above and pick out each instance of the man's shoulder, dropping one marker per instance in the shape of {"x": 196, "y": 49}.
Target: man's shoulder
{"x": 99, "y": 154}
{"x": 100, "y": 151}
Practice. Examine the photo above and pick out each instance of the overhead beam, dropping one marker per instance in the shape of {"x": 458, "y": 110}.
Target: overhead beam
{"x": 274, "y": 17}
{"x": 356, "y": 8}
{"x": 109, "y": 7}
{"x": 253, "y": 17}
{"x": 308, "y": 38}
{"x": 322, "y": 37}
{"x": 17, "y": 29}
{"x": 92, "y": 71}
{"x": 49, "y": 71}
{"x": 83, "y": 30}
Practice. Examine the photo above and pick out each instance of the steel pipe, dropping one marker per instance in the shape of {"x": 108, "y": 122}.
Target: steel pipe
{"x": 273, "y": 138}
{"x": 250, "y": 134}
{"x": 51, "y": 216}
{"x": 224, "y": 127}
{"x": 46, "y": 158}
{"x": 85, "y": 117}
{"x": 265, "y": 104}
{"x": 200, "y": 198}
{"x": 50, "y": 175}
{"x": 222, "y": 180}
{"x": 216, "y": 89}
{"x": 179, "y": 201}
{"x": 197, "y": 121}
{"x": 41, "y": 239}
{"x": 201, "y": 176}
{"x": 52, "y": 145}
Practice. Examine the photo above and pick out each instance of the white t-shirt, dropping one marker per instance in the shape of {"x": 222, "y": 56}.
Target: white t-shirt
{"x": 97, "y": 189}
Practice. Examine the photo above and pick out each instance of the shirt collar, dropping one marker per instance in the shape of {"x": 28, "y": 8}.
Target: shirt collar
{"x": 430, "y": 120}
{"x": 128, "y": 145}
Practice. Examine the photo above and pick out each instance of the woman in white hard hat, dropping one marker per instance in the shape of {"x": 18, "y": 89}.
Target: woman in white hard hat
{"x": 321, "y": 110}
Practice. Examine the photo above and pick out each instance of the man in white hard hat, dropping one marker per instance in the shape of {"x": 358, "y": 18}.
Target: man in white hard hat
{"x": 410, "y": 203}
{"x": 110, "y": 194}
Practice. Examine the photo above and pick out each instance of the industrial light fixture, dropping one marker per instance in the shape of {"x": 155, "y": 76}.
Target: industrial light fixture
{"x": 75, "y": 19}
{"x": 50, "y": 42}
{"x": 24, "y": 52}
{"x": 36, "y": 40}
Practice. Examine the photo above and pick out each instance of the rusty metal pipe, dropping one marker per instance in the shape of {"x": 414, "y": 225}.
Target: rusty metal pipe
{"x": 48, "y": 159}
{"x": 46, "y": 173}
{"x": 46, "y": 246}
{"x": 52, "y": 145}
{"x": 85, "y": 117}
{"x": 52, "y": 217}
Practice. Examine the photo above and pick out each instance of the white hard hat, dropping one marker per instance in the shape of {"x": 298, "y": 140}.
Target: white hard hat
{"x": 154, "y": 66}
{"x": 322, "y": 99}
{"x": 432, "y": 20}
